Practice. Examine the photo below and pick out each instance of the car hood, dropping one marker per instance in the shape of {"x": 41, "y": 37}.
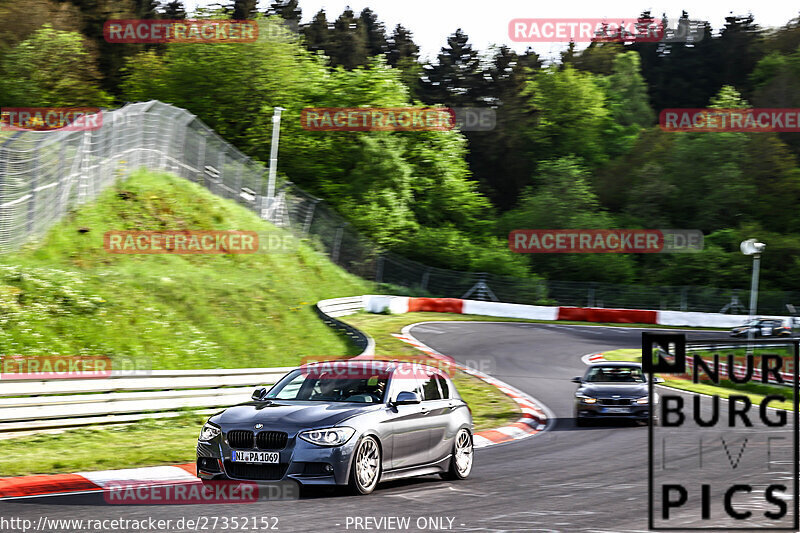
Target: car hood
{"x": 607, "y": 390}
{"x": 290, "y": 416}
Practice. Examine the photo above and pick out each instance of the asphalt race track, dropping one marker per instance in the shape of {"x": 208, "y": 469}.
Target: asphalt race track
{"x": 591, "y": 479}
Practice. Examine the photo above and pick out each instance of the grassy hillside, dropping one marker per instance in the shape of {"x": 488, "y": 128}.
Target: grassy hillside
{"x": 66, "y": 295}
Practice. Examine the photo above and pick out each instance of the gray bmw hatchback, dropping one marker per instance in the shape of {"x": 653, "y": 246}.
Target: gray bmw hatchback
{"x": 348, "y": 423}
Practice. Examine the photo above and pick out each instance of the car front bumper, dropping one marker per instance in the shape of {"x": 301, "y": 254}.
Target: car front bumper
{"x": 301, "y": 461}
{"x": 635, "y": 411}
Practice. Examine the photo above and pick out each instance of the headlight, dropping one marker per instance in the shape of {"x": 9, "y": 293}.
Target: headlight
{"x": 209, "y": 432}
{"x": 643, "y": 399}
{"x": 585, "y": 399}
{"x": 328, "y": 436}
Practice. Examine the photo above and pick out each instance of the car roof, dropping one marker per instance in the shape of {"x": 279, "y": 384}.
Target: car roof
{"x": 616, "y": 363}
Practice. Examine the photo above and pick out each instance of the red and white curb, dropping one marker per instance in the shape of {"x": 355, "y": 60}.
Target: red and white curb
{"x": 534, "y": 417}
{"x": 85, "y": 482}
{"x": 591, "y": 358}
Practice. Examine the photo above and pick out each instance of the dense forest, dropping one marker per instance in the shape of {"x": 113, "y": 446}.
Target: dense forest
{"x": 576, "y": 144}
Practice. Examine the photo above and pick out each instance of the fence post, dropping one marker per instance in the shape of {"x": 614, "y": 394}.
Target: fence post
{"x": 684, "y": 298}
{"x": 201, "y": 158}
{"x": 337, "y": 244}
{"x": 310, "y": 216}
{"x": 238, "y": 188}
{"x": 425, "y": 277}
{"x": 34, "y": 178}
{"x": 379, "y": 270}
{"x": 220, "y": 171}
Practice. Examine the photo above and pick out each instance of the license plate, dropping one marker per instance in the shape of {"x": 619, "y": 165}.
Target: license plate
{"x": 617, "y": 410}
{"x": 255, "y": 457}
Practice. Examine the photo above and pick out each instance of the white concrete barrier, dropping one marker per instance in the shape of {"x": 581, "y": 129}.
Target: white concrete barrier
{"x": 380, "y": 303}
{"x": 533, "y": 312}
{"x": 704, "y": 320}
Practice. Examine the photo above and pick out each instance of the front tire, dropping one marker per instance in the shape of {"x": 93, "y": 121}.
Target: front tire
{"x": 366, "y": 469}
{"x": 461, "y": 462}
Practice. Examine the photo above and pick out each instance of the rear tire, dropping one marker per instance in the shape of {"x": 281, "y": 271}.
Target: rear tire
{"x": 461, "y": 462}
{"x": 366, "y": 469}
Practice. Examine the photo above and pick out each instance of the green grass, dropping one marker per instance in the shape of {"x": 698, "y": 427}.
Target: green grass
{"x": 624, "y": 354}
{"x": 490, "y": 407}
{"x": 145, "y": 443}
{"x": 755, "y": 391}
{"x": 66, "y": 295}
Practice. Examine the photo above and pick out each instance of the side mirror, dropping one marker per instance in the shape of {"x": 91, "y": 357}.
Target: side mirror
{"x": 407, "y": 398}
{"x": 259, "y": 394}
{"x": 577, "y": 379}
{"x": 657, "y": 379}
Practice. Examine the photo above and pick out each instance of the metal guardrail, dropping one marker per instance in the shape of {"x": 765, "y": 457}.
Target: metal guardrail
{"x": 36, "y": 404}
{"x": 30, "y": 405}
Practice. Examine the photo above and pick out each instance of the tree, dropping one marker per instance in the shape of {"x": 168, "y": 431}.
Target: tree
{"x": 50, "y": 68}
{"x": 501, "y": 159}
{"x": 628, "y": 101}
{"x": 565, "y": 200}
{"x": 288, "y": 10}
{"x": 598, "y": 57}
{"x": 403, "y": 54}
{"x": 776, "y": 82}
{"x": 740, "y": 46}
{"x": 571, "y": 113}
{"x": 174, "y": 10}
{"x": 31, "y": 15}
{"x": 375, "y": 31}
{"x": 244, "y": 9}
{"x": 348, "y": 42}
{"x": 317, "y": 33}
{"x": 455, "y": 78}
{"x": 401, "y": 46}
{"x": 146, "y": 9}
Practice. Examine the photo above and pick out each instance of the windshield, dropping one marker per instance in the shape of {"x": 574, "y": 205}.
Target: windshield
{"x": 331, "y": 387}
{"x": 616, "y": 374}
